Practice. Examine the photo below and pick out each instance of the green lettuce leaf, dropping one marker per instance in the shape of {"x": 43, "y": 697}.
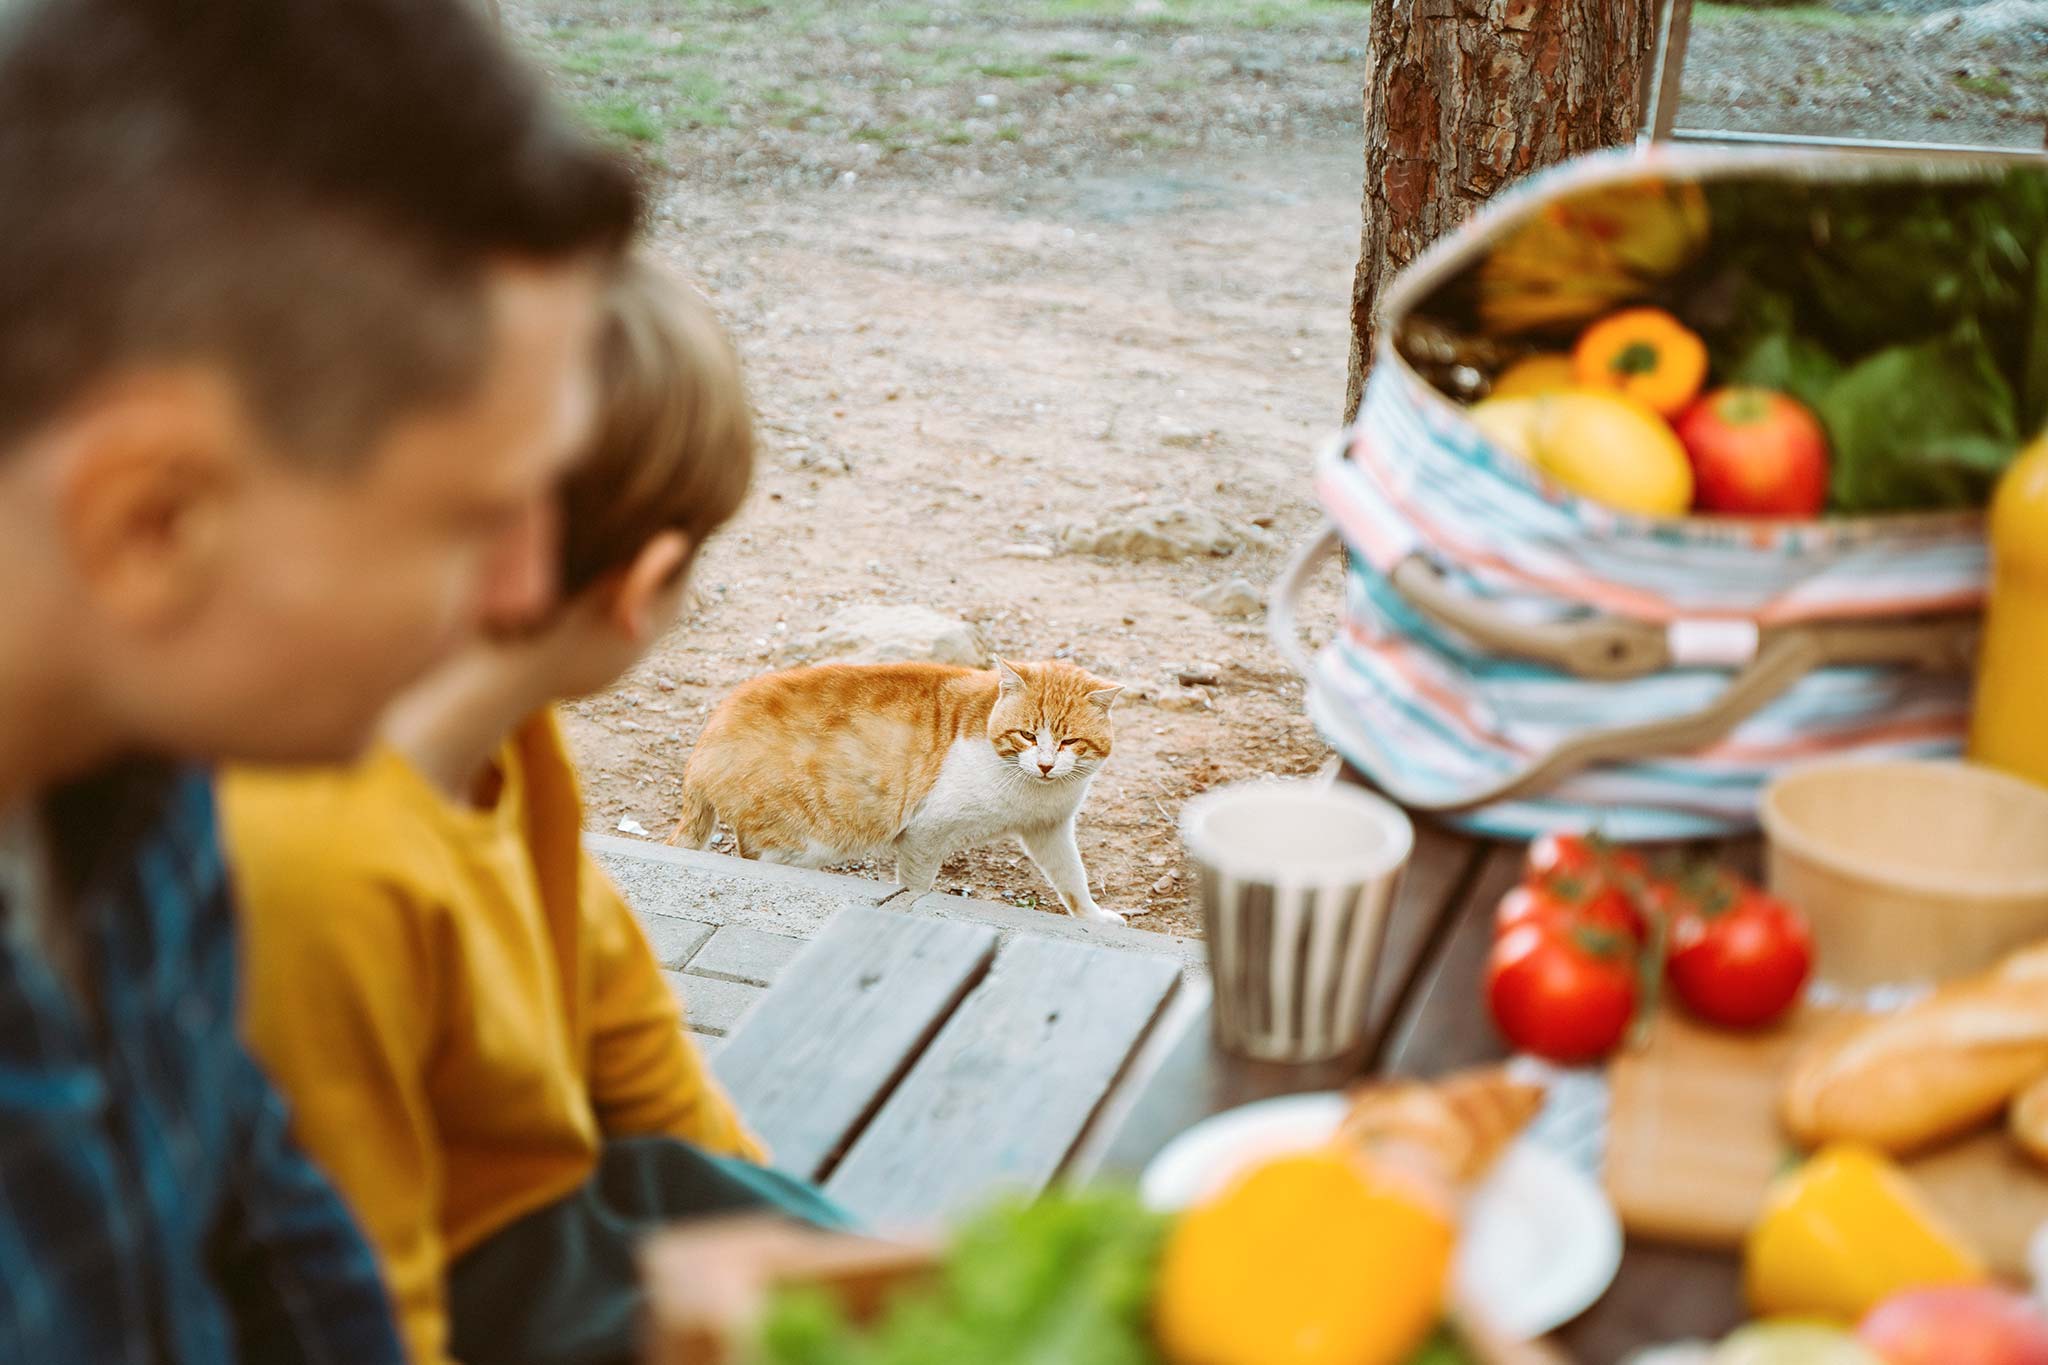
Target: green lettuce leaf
{"x": 1789, "y": 364}
{"x": 1921, "y": 426}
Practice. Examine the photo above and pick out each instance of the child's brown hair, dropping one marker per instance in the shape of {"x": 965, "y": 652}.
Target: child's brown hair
{"x": 673, "y": 445}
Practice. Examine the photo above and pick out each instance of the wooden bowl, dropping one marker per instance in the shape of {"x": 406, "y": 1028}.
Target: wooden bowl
{"x": 1910, "y": 872}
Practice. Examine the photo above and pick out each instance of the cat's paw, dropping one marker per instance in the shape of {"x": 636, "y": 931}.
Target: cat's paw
{"x": 1095, "y": 914}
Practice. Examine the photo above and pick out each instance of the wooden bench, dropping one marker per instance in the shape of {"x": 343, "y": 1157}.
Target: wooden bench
{"x": 915, "y": 1067}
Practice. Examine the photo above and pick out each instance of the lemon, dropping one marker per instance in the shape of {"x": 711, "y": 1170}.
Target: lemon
{"x": 1601, "y": 445}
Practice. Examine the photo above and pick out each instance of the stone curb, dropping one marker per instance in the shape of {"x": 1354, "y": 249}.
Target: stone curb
{"x": 715, "y": 889}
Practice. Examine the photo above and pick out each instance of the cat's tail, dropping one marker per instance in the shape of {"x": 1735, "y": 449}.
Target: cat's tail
{"x": 698, "y": 821}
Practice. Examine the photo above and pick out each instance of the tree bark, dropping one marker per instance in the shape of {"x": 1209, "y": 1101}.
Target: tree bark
{"x": 1464, "y": 96}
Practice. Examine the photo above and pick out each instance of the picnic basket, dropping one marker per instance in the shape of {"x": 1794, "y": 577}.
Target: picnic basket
{"x": 1518, "y": 658}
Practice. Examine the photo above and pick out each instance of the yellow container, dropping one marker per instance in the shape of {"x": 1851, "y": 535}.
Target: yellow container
{"x": 1845, "y": 1232}
{"x": 2010, "y": 727}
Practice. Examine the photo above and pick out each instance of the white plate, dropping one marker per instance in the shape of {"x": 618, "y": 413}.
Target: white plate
{"x": 1541, "y": 1242}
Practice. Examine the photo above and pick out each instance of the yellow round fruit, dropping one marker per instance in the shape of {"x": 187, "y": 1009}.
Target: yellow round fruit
{"x": 1536, "y": 374}
{"x": 1313, "y": 1259}
{"x": 1607, "y": 447}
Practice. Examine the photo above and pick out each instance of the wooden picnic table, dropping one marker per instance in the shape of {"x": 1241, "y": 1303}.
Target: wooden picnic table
{"x": 913, "y": 1066}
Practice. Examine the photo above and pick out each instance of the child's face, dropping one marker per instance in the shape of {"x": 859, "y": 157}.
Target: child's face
{"x": 609, "y": 627}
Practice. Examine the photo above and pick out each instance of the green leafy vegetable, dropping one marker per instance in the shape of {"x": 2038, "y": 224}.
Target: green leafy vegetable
{"x": 1924, "y": 426}
{"x": 1788, "y": 364}
{"x": 1064, "y": 1281}
{"x": 1442, "y": 1349}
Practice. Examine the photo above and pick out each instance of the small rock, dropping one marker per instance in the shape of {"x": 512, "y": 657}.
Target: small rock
{"x": 1233, "y": 598}
{"x": 872, "y": 634}
{"x": 1187, "y": 699}
{"x": 1197, "y": 676}
{"x": 664, "y": 683}
{"x": 1264, "y": 520}
{"x": 1165, "y": 885}
{"x": 1024, "y": 551}
{"x": 628, "y": 825}
{"x": 818, "y": 461}
{"x": 1173, "y": 531}
{"x": 986, "y": 101}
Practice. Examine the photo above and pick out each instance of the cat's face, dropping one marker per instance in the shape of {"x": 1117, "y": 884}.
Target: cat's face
{"x": 1051, "y": 720}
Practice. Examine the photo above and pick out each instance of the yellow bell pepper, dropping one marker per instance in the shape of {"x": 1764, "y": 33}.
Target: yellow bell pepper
{"x": 1843, "y": 1233}
{"x": 2006, "y": 731}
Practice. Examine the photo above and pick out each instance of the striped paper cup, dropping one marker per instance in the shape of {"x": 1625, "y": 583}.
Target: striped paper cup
{"x": 1297, "y": 880}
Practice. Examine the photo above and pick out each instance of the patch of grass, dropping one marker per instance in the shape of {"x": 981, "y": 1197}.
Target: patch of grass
{"x": 623, "y": 118}
{"x": 1995, "y": 87}
{"x": 1793, "y": 16}
{"x": 1066, "y": 58}
{"x": 1014, "y": 71}
{"x": 1217, "y": 14}
{"x": 623, "y": 40}
{"x": 1009, "y": 132}
{"x": 698, "y": 98}
{"x": 956, "y": 137}
{"x": 585, "y": 64}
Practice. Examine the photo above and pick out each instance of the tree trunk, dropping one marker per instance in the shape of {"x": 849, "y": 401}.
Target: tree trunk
{"x": 1464, "y": 96}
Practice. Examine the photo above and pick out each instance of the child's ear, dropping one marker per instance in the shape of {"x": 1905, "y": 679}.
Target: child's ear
{"x": 648, "y": 585}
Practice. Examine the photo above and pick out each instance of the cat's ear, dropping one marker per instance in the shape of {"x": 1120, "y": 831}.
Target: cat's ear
{"x": 1105, "y": 697}
{"x": 1008, "y": 680}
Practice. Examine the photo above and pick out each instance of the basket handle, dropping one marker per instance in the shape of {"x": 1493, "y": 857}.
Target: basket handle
{"x": 1285, "y": 596}
{"x": 1608, "y": 648}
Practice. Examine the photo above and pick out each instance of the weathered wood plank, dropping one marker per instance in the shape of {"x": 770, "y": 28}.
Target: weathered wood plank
{"x": 1438, "y": 870}
{"x": 1444, "y": 1024}
{"x": 845, "y": 1020}
{"x": 1002, "y": 1094}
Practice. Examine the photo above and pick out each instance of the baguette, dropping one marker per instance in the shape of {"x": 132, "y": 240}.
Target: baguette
{"x": 1936, "y": 1069}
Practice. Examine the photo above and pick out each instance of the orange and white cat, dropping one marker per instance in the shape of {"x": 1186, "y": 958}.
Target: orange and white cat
{"x": 818, "y": 765}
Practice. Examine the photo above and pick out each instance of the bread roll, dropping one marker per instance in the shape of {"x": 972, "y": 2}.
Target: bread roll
{"x": 1461, "y": 1123}
{"x": 1931, "y": 1071}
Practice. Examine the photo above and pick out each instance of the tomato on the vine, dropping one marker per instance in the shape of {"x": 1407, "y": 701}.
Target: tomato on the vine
{"x": 1562, "y": 991}
{"x": 1739, "y": 957}
{"x": 1558, "y": 903}
{"x": 1582, "y": 857}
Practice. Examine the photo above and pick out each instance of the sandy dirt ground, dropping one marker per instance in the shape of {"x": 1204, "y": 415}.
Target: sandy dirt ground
{"x": 992, "y": 276}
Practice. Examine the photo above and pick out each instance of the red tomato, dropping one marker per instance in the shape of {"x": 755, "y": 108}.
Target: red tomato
{"x": 1551, "y": 903}
{"x": 1561, "y": 991}
{"x": 1589, "y": 872}
{"x": 1738, "y": 956}
{"x": 1581, "y": 856}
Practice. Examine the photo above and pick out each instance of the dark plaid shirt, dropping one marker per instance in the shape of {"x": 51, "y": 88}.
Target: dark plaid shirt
{"x": 152, "y": 1206}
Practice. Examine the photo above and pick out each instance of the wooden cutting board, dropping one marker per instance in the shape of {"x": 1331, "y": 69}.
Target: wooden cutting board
{"x": 1693, "y": 1141}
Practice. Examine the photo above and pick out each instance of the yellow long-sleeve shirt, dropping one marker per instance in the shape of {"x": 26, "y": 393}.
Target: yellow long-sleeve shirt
{"x": 456, "y": 1002}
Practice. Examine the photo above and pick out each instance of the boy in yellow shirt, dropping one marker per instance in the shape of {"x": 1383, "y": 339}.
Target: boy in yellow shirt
{"x": 475, "y": 1037}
